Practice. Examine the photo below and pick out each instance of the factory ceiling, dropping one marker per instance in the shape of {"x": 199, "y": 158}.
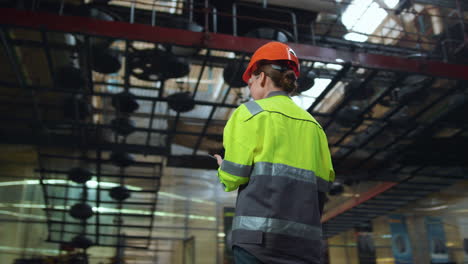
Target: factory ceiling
{"x": 121, "y": 99}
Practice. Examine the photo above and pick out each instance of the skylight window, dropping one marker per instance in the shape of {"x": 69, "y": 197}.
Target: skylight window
{"x": 169, "y": 6}
{"x": 362, "y": 17}
{"x": 303, "y": 102}
{"x": 391, "y": 3}
{"x": 354, "y": 11}
{"x": 317, "y": 89}
{"x": 370, "y": 20}
{"x": 307, "y": 98}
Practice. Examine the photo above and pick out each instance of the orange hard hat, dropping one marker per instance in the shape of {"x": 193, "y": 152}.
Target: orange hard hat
{"x": 272, "y": 51}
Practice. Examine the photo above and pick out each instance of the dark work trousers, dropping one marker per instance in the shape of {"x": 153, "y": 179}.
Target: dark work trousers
{"x": 241, "y": 256}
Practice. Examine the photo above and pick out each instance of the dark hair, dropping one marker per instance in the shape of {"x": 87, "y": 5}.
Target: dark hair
{"x": 280, "y": 74}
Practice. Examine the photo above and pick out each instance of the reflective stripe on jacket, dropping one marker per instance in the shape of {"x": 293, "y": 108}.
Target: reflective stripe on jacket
{"x": 278, "y": 155}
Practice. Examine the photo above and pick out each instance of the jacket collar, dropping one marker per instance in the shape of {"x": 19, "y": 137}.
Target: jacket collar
{"x": 275, "y": 93}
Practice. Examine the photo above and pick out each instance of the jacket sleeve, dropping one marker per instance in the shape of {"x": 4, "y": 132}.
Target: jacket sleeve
{"x": 240, "y": 141}
{"x": 327, "y": 173}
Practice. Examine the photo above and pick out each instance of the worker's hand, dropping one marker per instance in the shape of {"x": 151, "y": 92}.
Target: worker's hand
{"x": 219, "y": 159}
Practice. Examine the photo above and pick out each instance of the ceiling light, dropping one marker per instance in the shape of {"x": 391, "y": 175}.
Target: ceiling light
{"x": 335, "y": 67}
{"x": 336, "y": 189}
{"x": 105, "y": 60}
{"x": 81, "y": 241}
{"x": 350, "y": 195}
{"x": 123, "y": 126}
{"x": 30, "y": 250}
{"x": 79, "y": 175}
{"x": 156, "y": 64}
{"x": 30, "y": 206}
{"x": 92, "y": 184}
{"x": 348, "y": 115}
{"x": 276, "y": 34}
{"x": 435, "y": 208}
{"x": 122, "y": 159}
{"x": 232, "y": 73}
{"x": 181, "y": 102}
{"x": 20, "y": 215}
{"x": 355, "y": 37}
{"x": 125, "y": 102}
{"x": 385, "y": 260}
{"x": 319, "y": 64}
{"x": 103, "y": 210}
{"x": 119, "y": 193}
{"x": 179, "y": 197}
{"x": 306, "y": 81}
{"x": 81, "y": 211}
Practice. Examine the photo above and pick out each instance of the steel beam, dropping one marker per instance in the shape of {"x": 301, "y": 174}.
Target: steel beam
{"x": 215, "y": 41}
{"x": 351, "y": 203}
{"x": 64, "y": 172}
{"x": 442, "y": 3}
{"x": 192, "y": 161}
{"x": 100, "y": 244}
{"x": 106, "y": 214}
{"x": 142, "y": 204}
{"x": 71, "y": 142}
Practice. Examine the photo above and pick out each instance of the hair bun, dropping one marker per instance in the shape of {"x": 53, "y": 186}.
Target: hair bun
{"x": 286, "y": 80}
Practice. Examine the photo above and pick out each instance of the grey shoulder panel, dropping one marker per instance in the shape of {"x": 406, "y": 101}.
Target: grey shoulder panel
{"x": 253, "y": 107}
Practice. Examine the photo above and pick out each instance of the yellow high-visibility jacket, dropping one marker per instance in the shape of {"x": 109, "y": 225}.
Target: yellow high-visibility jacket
{"x": 277, "y": 155}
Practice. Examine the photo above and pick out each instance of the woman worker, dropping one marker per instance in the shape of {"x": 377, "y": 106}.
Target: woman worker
{"x": 277, "y": 155}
